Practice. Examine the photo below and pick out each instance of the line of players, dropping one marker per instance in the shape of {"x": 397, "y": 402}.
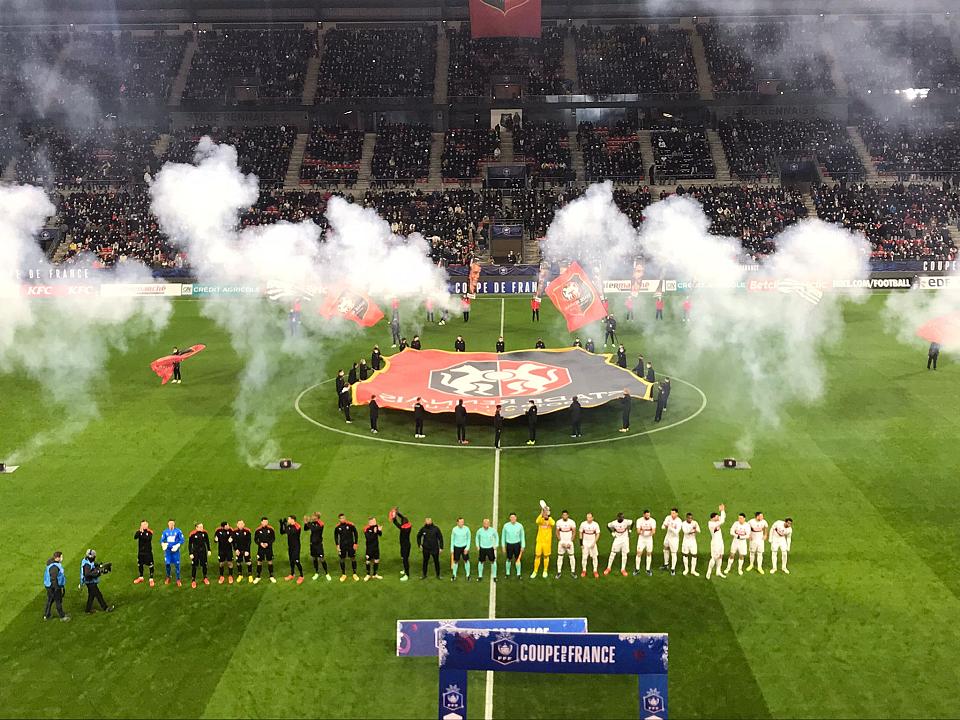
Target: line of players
{"x": 238, "y": 546}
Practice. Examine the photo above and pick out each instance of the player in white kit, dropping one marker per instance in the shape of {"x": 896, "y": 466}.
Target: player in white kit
{"x": 566, "y": 529}
{"x": 691, "y": 528}
{"x": 646, "y": 529}
{"x": 715, "y": 528}
{"x": 620, "y": 529}
{"x": 589, "y": 535}
{"x": 671, "y": 541}
{"x": 739, "y": 531}
{"x": 780, "y": 536}
{"x": 758, "y": 536}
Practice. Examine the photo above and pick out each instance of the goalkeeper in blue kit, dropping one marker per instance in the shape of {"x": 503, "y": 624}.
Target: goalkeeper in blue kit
{"x": 170, "y": 540}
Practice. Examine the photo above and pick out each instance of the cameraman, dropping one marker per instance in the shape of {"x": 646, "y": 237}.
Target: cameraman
{"x": 55, "y": 581}
{"x": 90, "y": 573}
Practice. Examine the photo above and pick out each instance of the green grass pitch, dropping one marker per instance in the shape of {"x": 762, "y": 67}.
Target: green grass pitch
{"x": 865, "y": 626}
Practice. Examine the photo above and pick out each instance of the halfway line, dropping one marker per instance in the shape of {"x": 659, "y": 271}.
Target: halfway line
{"x": 502, "y": 302}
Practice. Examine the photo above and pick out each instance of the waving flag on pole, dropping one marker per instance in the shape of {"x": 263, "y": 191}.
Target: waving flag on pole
{"x": 505, "y": 18}
{"x": 354, "y": 306}
{"x": 576, "y": 297}
{"x": 163, "y": 367}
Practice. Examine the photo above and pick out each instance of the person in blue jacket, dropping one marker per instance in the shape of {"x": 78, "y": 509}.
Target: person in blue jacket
{"x": 55, "y": 581}
{"x": 170, "y": 540}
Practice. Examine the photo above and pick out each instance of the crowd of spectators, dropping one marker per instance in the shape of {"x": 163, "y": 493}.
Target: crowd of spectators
{"x": 274, "y": 205}
{"x": 752, "y": 146}
{"x": 611, "y": 153}
{"x": 635, "y": 59}
{"x": 903, "y": 222}
{"x": 115, "y": 227}
{"x": 332, "y": 156}
{"x": 682, "y": 152}
{"x": 83, "y": 158}
{"x": 536, "y": 207}
{"x": 545, "y": 148}
{"x": 754, "y": 214}
{"x": 398, "y": 61}
{"x": 27, "y": 61}
{"x": 740, "y": 57}
{"x": 632, "y": 203}
{"x": 454, "y": 222}
{"x": 913, "y": 150}
{"x": 263, "y": 150}
{"x": 536, "y": 62}
{"x": 884, "y": 58}
{"x": 401, "y": 153}
{"x": 465, "y": 148}
{"x": 122, "y": 65}
{"x": 248, "y": 65}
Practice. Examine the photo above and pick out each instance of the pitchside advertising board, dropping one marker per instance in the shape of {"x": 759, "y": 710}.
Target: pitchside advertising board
{"x": 421, "y": 638}
{"x": 640, "y": 654}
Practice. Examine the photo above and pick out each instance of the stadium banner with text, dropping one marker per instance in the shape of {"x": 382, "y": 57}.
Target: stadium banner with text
{"x": 640, "y": 654}
{"x": 525, "y": 285}
{"x": 421, "y": 638}
{"x": 943, "y": 282}
{"x": 505, "y": 18}
{"x": 576, "y": 297}
{"x": 198, "y": 290}
{"x": 483, "y": 380}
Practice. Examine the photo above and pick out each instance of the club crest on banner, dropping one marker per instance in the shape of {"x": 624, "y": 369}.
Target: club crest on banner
{"x": 504, "y": 650}
{"x": 501, "y": 378}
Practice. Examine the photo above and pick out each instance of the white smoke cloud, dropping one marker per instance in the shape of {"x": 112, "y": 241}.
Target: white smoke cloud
{"x": 764, "y": 347}
{"x": 905, "y": 312}
{"x": 61, "y": 342}
{"x": 198, "y": 206}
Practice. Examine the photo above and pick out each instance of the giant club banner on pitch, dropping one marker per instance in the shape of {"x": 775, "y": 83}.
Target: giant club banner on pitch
{"x": 505, "y": 18}
{"x": 483, "y": 380}
{"x": 576, "y": 297}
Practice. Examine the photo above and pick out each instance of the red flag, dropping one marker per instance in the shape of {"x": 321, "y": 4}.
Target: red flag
{"x": 576, "y": 297}
{"x": 163, "y": 367}
{"x": 354, "y": 306}
{"x": 505, "y": 18}
{"x": 944, "y": 330}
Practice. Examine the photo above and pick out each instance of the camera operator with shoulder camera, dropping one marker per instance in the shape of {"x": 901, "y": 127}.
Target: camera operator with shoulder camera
{"x": 90, "y": 573}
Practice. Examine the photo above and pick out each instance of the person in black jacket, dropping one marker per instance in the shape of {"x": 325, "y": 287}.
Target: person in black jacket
{"x": 640, "y": 368}
{"x": 418, "y": 415}
{"x": 374, "y": 414}
{"x": 363, "y": 370}
{"x": 291, "y": 528}
{"x": 933, "y": 354}
{"x": 577, "y": 343}
{"x": 403, "y": 344}
{"x": 665, "y": 386}
{"x": 575, "y": 412}
{"x": 395, "y": 329}
{"x": 144, "y": 538}
{"x": 415, "y": 343}
{"x": 430, "y": 541}
{"x": 661, "y": 402}
{"x": 340, "y": 381}
{"x": 314, "y": 526}
{"x": 622, "y": 357}
{"x": 346, "y": 537}
{"x": 459, "y": 345}
{"x": 223, "y": 537}
{"x": 352, "y": 376}
{"x": 500, "y": 344}
{"x": 651, "y": 375}
{"x": 540, "y": 344}
{"x": 264, "y": 537}
{"x": 625, "y": 408}
{"x": 345, "y": 402}
{"x": 241, "y": 547}
{"x": 199, "y": 546}
{"x": 460, "y": 417}
{"x": 375, "y": 358}
{"x": 371, "y": 536}
{"x": 590, "y": 347}
{"x": 497, "y": 427}
{"x": 176, "y": 367}
{"x": 404, "y": 526}
{"x": 610, "y": 330}
{"x": 532, "y": 422}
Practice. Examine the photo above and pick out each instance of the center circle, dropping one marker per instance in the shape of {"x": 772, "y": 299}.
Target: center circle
{"x": 580, "y": 443}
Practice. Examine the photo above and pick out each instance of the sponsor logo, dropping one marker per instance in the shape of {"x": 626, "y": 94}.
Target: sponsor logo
{"x": 501, "y": 378}
{"x": 504, "y": 650}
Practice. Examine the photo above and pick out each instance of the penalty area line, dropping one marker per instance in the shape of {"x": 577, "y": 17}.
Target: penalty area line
{"x": 492, "y": 601}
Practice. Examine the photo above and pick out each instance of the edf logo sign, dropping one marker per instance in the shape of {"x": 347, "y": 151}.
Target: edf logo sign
{"x": 504, "y": 650}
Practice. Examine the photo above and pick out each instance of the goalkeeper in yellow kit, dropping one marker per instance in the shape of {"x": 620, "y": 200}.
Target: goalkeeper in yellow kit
{"x": 544, "y": 544}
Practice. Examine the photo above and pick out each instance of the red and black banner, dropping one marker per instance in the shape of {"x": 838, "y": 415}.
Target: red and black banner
{"x": 354, "y": 306}
{"x": 551, "y": 378}
{"x": 163, "y": 367}
{"x": 576, "y": 297}
{"x": 505, "y": 18}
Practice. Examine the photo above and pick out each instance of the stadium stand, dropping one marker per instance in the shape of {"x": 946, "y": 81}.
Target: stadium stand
{"x": 381, "y": 62}
{"x": 913, "y": 150}
{"x": 332, "y": 156}
{"x": 239, "y": 66}
{"x": 611, "y": 153}
{"x": 402, "y": 153}
{"x": 474, "y": 62}
{"x": 682, "y": 152}
{"x": 903, "y": 222}
{"x": 263, "y": 150}
{"x": 545, "y": 148}
{"x": 740, "y": 57}
{"x": 635, "y": 59}
{"x": 464, "y": 149}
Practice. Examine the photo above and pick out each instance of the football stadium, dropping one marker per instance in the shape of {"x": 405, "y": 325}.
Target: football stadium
{"x": 479, "y": 358}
